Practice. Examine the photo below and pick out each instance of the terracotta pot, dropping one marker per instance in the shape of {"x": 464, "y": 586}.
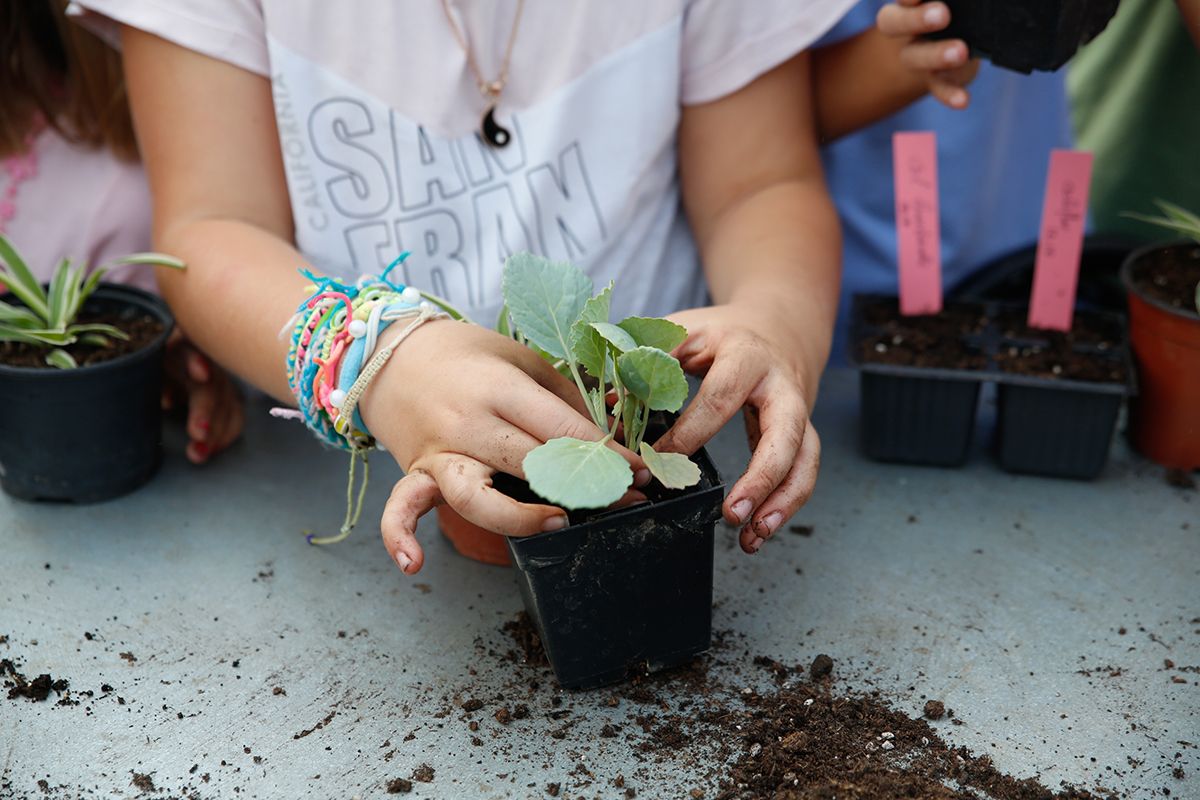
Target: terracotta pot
{"x": 471, "y": 540}
{"x": 1165, "y": 419}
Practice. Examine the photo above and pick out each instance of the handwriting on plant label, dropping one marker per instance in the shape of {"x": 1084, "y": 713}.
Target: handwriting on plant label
{"x": 918, "y": 228}
{"x": 1060, "y": 242}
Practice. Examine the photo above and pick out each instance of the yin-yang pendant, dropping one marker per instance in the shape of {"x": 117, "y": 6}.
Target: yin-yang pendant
{"x": 494, "y": 133}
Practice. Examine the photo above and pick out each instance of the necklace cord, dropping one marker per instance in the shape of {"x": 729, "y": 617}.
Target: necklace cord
{"x": 489, "y": 89}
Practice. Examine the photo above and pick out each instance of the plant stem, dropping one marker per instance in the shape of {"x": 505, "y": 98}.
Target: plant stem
{"x": 598, "y": 417}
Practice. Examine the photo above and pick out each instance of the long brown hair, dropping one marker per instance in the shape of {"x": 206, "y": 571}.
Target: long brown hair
{"x": 68, "y": 75}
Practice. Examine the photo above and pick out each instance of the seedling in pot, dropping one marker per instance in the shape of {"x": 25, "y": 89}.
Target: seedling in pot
{"x": 550, "y": 306}
{"x": 48, "y": 316}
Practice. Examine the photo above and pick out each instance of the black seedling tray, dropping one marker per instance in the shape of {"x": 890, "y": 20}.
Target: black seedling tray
{"x": 1025, "y": 35}
{"x": 1047, "y": 425}
{"x": 624, "y": 591}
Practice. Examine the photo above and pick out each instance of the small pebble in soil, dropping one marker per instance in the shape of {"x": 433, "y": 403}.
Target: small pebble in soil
{"x": 399, "y": 786}
{"x": 887, "y": 745}
{"x": 935, "y": 709}
{"x": 821, "y": 667}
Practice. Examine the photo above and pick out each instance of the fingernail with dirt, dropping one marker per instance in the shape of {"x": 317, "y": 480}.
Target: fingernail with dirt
{"x": 757, "y": 543}
{"x": 554, "y": 524}
{"x": 767, "y": 525}
{"x": 741, "y": 510}
{"x": 403, "y": 561}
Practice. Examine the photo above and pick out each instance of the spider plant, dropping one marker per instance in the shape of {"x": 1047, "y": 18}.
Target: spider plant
{"x": 47, "y": 314}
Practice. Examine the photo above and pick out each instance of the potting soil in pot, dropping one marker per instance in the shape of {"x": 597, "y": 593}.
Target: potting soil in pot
{"x": 1090, "y": 351}
{"x": 938, "y": 340}
{"x": 142, "y": 330}
{"x": 1170, "y": 276}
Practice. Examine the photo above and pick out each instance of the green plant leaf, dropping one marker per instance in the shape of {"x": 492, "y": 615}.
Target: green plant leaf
{"x": 57, "y": 295}
{"x": 654, "y": 332}
{"x": 18, "y": 317}
{"x": 1175, "y": 218}
{"x": 673, "y": 470}
{"x": 61, "y": 359}
{"x": 544, "y": 299}
{"x": 574, "y": 474}
{"x": 20, "y": 281}
{"x": 586, "y": 345}
{"x": 152, "y": 259}
{"x": 615, "y": 336}
{"x": 653, "y": 377}
{"x": 95, "y": 340}
{"x": 98, "y": 327}
{"x": 44, "y": 336}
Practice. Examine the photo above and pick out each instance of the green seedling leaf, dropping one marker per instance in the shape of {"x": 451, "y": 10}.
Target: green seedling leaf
{"x": 615, "y": 336}
{"x": 95, "y": 340}
{"x": 544, "y": 299}
{"x": 98, "y": 327}
{"x": 586, "y": 345}
{"x": 653, "y": 377}
{"x": 44, "y": 336}
{"x": 654, "y": 332}
{"x": 673, "y": 470}
{"x": 61, "y": 359}
{"x": 57, "y": 296}
{"x": 573, "y": 473}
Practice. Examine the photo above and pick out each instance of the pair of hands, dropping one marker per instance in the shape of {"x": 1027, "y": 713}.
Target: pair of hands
{"x": 453, "y": 428}
{"x": 945, "y": 65}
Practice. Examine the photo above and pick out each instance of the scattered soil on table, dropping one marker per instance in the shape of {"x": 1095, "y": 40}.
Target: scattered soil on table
{"x": 529, "y": 644}
{"x": 1170, "y": 276}
{"x": 801, "y": 530}
{"x": 142, "y": 331}
{"x": 935, "y": 341}
{"x": 806, "y": 738}
{"x": 935, "y": 709}
{"x": 423, "y": 774}
{"x": 36, "y": 690}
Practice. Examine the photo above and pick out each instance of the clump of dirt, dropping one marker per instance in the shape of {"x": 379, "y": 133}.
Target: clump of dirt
{"x": 143, "y": 783}
{"x": 423, "y": 774}
{"x": 525, "y": 635}
{"x": 821, "y": 667}
{"x": 399, "y": 786}
{"x": 935, "y": 709}
{"x": 36, "y": 690}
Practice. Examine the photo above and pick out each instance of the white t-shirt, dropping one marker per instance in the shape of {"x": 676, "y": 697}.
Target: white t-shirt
{"x": 378, "y": 115}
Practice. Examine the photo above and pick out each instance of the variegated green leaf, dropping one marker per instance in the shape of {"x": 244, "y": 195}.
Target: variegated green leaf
{"x": 20, "y": 281}
{"x": 61, "y": 359}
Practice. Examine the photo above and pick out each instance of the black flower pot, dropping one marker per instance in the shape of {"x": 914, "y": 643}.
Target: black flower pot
{"x": 92, "y": 433}
{"x": 624, "y": 591}
{"x": 1025, "y": 35}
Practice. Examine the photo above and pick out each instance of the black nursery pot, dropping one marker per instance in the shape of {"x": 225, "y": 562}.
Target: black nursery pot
{"x": 1025, "y": 35}
{"x": 911, "y": 414}
{"x": 627, "y": 590}
{"x": 91, "y": 433}
{"x": 1062, "y": 427}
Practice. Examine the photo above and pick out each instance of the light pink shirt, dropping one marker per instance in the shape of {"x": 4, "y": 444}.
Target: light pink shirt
{"x": 84, "y": 204}
{"x": 378, "y": 114}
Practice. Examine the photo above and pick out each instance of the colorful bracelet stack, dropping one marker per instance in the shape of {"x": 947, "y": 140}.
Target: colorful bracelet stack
{"x": 333, "y": 333}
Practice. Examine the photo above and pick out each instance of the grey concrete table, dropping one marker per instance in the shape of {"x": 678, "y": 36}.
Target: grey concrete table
{"x": 243, "y": 663}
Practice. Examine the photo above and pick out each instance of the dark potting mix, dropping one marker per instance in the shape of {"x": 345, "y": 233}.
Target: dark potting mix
{"x": 142, "y": 331}
{"x": 1170, "y": 276}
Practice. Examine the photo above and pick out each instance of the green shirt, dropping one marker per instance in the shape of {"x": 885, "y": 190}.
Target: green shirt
{"x": 1135, "y": 94}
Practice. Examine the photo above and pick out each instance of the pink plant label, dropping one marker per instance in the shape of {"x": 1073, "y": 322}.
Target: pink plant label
{"x": 918, "y": 231}
{"x": 1060, "y": 242}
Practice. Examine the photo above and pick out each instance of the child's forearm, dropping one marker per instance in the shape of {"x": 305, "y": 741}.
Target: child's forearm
{"x": 859, "y": 81}
{"x": 240, "y": 288}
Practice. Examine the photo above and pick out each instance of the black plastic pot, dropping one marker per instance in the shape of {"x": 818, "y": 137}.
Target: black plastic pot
{"x": 1057, "y": 427}
{"x": 1045, "y": 426}
{"x": 1025, "y": 35}
{"x": 624, "y": 591}
{"x": 87, "y": 434}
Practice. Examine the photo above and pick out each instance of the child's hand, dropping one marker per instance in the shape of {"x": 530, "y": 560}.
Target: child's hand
{"x": 946, "y": 64}
{"x": 747, "y": 364}
{"x": 214, "y": 404}
{"x": 456, "y": 404}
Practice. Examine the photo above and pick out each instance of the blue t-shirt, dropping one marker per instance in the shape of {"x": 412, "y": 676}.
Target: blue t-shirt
{"x": 992, "y": 162}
